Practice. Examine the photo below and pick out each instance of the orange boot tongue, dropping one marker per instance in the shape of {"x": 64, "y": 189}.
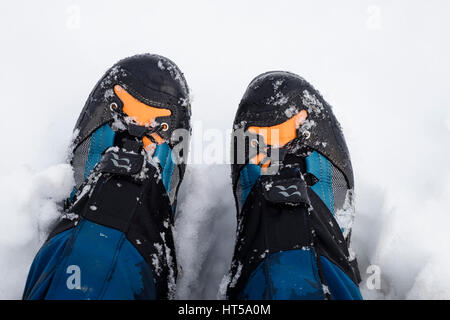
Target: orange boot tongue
{"x": 277, "y": 137}
{"x": 143, "y": 114}
{"x": 283, "y": 133}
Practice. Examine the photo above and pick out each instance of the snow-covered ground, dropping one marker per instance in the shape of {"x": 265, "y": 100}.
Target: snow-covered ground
{"x": 382, "y": 64}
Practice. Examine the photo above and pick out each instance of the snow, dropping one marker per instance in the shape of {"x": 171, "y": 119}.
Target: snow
{"x": 346, "y": 215}
{"x": 291, "y": 111}
{"x": 156, "y": 258}
{"x": 278, "y": 99}
{"x": 29, "y": 206}
{"x": 205, "y": 230}
{"x": 325, "y": 289}
{"x": 312, "y": 103}
{"x": 170, "y": 264}
{"x": 387, "y": 82}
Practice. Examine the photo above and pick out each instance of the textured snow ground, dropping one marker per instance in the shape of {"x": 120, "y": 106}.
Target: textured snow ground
{"x": 383, "y": 65}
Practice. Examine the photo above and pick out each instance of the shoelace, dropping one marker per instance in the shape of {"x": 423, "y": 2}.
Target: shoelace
{"x": 156, "y": 129}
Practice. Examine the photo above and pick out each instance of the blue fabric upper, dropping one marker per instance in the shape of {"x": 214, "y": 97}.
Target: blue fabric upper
{"x": 101, "y": 139}
{"x": 164, "y": 154}
{"x": 319, "y": 166}
{"x": 249, "y": 174}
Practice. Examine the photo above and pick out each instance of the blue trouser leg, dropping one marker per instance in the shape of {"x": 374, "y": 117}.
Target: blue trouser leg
{"x": 294, "y": 275}
{"x": 89, "y": 261}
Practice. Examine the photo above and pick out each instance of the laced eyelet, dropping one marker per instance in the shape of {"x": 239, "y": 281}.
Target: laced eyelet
{"x": 164, "y": 126}
{"x": 254, "y": 142}
{"x": 306, "y": 134}
{"x": 113, "y": 106}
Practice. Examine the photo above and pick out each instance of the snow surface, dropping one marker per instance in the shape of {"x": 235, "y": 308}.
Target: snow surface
{"x": 382, "y": 64}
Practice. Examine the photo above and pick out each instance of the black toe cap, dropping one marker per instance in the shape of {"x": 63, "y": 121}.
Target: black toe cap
{"x": 156, "y": 72}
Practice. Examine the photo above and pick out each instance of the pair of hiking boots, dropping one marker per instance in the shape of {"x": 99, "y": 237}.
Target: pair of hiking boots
{"x": 292, "y": 181}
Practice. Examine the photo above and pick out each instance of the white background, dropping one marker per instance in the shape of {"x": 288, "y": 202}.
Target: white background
{"x": 383, "y": 65}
